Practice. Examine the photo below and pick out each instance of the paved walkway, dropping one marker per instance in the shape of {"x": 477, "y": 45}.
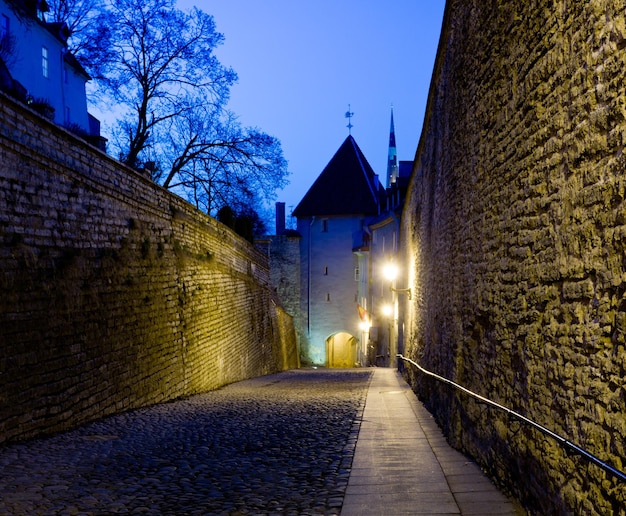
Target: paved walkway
{"x": 304, "y": 442}
{"x": 403, "y": 464}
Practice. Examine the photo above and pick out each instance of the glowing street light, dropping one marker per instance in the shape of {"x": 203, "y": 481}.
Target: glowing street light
{"x": 387, "y": 310}
{"x": 390, "y": 271}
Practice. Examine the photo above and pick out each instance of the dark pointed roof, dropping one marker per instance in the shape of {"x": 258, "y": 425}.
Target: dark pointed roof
{"x": 347, "y": 186}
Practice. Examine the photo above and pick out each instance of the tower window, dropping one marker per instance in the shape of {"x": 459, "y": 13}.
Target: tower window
{"x": 325, "y": 271}
{"x": 324, "y": 225}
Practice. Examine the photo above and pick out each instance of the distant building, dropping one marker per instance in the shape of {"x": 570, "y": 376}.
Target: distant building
{"x": 348, "y": 228}
{"x": 385, "y": 331}
{"x": 332, "y": 219}
{"x": 40, "y": 68}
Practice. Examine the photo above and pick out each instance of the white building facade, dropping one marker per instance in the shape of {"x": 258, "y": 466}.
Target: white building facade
{"x": 329, "y": 286}
{"x": 36, "y": 55}
{"x": 332, "y": 218}
{"x": 349, "y": 224}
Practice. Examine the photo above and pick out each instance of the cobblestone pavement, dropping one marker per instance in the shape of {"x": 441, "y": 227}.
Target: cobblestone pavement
{"x": 279, "y": 444}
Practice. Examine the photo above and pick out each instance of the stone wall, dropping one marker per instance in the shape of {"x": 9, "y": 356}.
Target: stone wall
{"x": 115, "y": 293}
{"x": 284, "y": 258}
{"x": 515, "y": 232}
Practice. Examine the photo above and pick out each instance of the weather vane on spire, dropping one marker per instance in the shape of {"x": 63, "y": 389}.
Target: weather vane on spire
{"x": 349, "y": 114}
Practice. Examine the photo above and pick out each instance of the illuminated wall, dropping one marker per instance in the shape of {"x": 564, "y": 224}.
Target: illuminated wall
{"x": 115, "y": 293}
{"x": 515, "y": 232}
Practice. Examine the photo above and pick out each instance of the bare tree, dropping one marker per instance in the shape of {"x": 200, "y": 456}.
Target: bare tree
{"x": 78, "y": 15}
{"x": 157, "y": 65}
{"x": 219, "y": 163}
{"x": 158, "y": 62}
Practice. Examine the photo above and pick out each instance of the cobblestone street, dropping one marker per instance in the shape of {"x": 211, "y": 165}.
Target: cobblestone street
{"x": 276, "y": 444}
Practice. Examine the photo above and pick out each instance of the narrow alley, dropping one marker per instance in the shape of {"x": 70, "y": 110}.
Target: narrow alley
{"x": 342, "y": 441}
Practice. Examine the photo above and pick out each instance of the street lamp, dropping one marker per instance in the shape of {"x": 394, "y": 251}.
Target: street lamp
{"x": 390, "y": 271}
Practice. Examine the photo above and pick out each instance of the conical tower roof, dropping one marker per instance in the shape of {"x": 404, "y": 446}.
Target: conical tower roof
{"x": 346, "y": 186}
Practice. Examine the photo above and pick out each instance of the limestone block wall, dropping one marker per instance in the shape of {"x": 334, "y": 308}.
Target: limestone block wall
{"x": 515, "y": 236}
{"x": 116, "y": 294}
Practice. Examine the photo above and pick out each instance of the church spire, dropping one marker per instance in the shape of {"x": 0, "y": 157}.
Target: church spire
{"x": 392, "y": 159}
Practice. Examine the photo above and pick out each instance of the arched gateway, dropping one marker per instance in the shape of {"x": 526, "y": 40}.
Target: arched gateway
{"x": 341, "y": 350}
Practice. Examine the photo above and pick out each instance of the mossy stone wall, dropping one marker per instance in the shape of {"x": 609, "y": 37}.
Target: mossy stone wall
{"x": 115, "y": 293}
{"x": 515, "y": 233}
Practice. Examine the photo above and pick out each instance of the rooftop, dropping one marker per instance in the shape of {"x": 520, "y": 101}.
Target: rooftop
{"x": 346, "y": 186}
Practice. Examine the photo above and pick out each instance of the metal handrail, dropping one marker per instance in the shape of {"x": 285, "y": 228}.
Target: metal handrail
{"x": 561, "y": 440}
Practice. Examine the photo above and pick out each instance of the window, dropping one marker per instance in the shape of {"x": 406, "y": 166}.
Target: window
{"x": 44, "y": 62}
{"x": 324, "y": 225}
{"x": 357, "y": 273}
{"x": 4, "y": 27}
{"x": 325, "y": 271}
{"x": 328, "y": 297}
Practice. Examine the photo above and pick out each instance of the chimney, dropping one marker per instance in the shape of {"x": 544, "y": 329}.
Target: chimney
{"x": 280, "y": 218}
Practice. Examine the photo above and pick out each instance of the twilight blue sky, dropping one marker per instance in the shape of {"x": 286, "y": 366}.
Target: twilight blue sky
{"x": 301, "y": 63}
